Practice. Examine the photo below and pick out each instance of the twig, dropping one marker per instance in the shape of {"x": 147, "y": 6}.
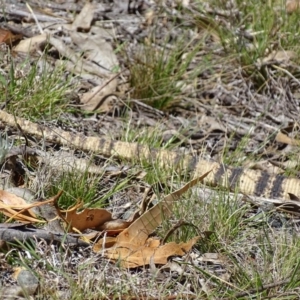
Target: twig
{"x": 175, "y": 227}
{"x": 263, "y": 288}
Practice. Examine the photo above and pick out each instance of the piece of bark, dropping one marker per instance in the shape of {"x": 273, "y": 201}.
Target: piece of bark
{"x": 19, "y": 232}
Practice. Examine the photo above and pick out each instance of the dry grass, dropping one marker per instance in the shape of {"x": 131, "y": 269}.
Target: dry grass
{"x": 245, "y": 251}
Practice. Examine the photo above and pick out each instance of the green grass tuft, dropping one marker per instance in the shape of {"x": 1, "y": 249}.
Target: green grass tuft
{"x": 158, "y": 75}
{"x": 34, "y": 90}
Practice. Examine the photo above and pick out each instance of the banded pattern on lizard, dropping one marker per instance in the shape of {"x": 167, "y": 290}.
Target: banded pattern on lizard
{"x": 247, "y": 181}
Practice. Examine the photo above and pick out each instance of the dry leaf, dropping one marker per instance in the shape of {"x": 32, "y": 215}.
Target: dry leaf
{"x": 80, "y": 65}
{"x": 88, "y": 218}
{"x": 283, "y": 138}
{"x": 278, "y": 57}
{"x": 12, "y": 200}
{"x": 292, "y": 5}
{"x": 32, "y": 44}
{"x": 104, "y": 243}
{"x": 114, "y": 225}
{"x": 133, "y": 256}
{"x": 16, "y": 208}
{"x": 134, "y": 248}
{"x": 97, "y": 98}
{"x": 213, "y": 258}
{"x": 84, "y": 19}
{"x": 174, "y": 267}
{"x": 8, "y": 37}
{"x": 96, "y": 50}
{"x": 17, "y": 271}
{"x": 139, "y": 230}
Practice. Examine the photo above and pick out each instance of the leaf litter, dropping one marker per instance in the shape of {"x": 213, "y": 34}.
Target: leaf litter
{"x": 222, "y": 94}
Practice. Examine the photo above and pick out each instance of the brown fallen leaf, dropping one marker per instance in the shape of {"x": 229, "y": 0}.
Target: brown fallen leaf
{"x": 292, "y": 5}
{"x": 12, "y": 200}
{"x": 117, "y": 225}
{"x": 18, "y": 209}
{"x": 133, "y": 247}
{"x": 8, "y": 37}
{"x": 283, "y": 138}
{"x": 139, "y": 230}
{"x": 133, "y": 256}
{"x": 108, "y": 242}
{"x": 100, "y": 97}
{"x": 88, "y": 218}
{"x": 31, "y": 45}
